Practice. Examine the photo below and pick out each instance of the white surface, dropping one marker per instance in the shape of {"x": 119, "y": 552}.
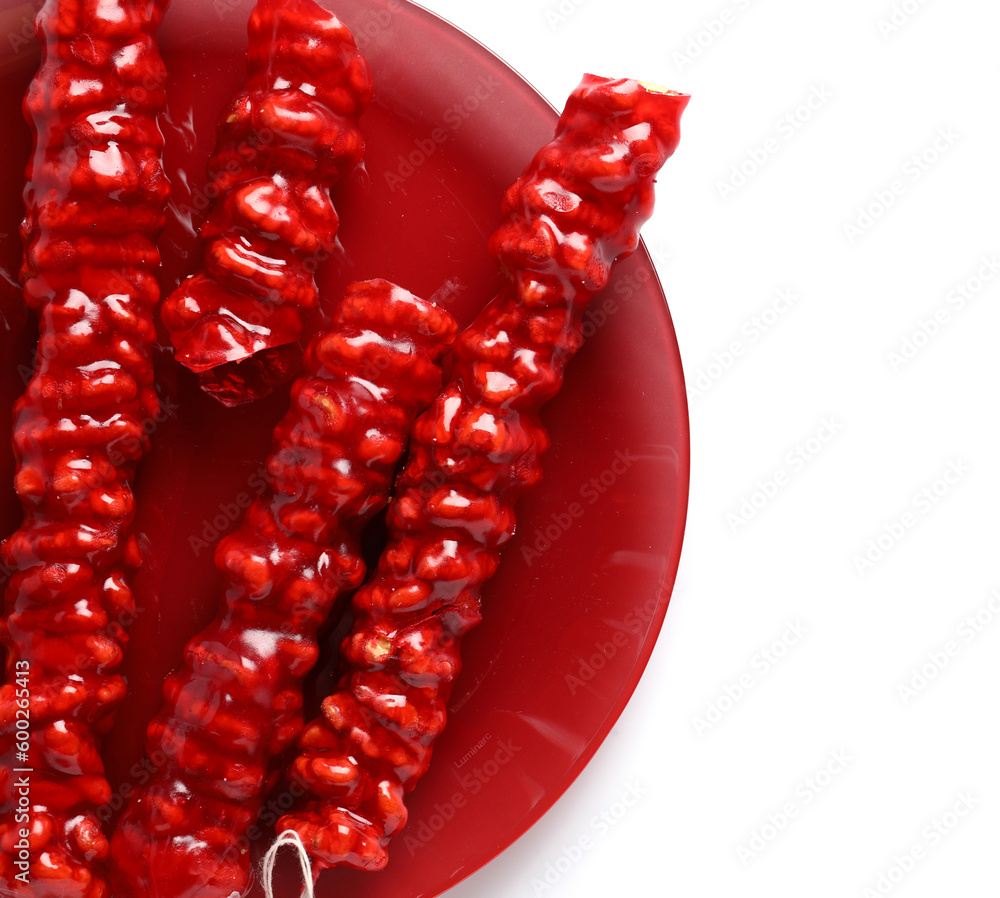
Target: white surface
{"x": 880, "y": 99}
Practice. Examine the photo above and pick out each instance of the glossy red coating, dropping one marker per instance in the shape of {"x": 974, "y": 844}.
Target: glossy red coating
{"x": 236, "y": 702}
{"x": 576, "y": 209}
{"x": 95, "y": 199}
{"x": 527, "y": 714}
{"x": 283, "y": 142}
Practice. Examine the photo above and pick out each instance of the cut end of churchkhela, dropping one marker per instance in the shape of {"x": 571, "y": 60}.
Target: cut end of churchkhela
{"x": 237, "y": 383}
{"x": 654, "y": 88}
{"x": 648, "y": 86}
{"x": 644, "y": 100}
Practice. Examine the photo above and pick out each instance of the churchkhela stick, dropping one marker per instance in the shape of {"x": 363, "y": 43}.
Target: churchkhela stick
{"x": 236, "y": 701}
{"x": 288, "y": 137}
{"x": 95, "y": 201}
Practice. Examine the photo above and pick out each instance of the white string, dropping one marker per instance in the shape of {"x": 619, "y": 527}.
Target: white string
{"x": 288, "y": 837}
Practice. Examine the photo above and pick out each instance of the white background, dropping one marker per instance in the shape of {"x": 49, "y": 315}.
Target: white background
{"x": 881, "y": 821}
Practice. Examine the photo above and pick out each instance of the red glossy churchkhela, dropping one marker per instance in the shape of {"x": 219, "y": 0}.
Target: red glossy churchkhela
{"x": 282, "y": 143}
{"x": 95, "y": 200}
{"x": 575, "y": 210}
{"x": 236, "y": 701}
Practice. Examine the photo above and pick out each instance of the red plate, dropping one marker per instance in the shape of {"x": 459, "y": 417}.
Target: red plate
{"x": 572, "y": 615}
